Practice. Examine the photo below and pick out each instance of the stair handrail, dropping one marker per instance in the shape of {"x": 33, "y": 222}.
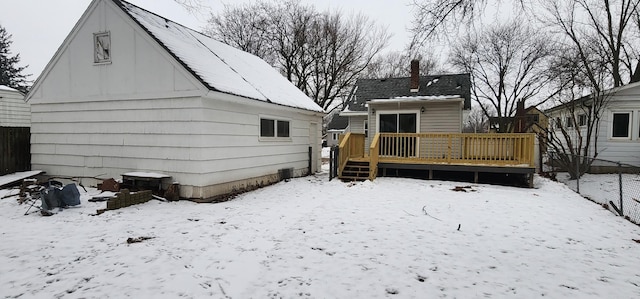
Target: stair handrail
{"x": 344, "y": 151}
{"x": 374, "y": 152}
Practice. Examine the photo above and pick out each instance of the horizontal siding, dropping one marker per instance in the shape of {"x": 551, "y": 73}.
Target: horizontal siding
{"x": 356, "y": 124}
{"x": 441, "y": 117}
{"x": 197, "y": 146}
{"x": 617, "y": 150}
{"x": 14, "y": 112}
{"x": 165, "y": 153}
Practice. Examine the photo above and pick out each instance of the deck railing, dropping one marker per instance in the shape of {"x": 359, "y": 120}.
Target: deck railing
{"x": 459, "y": 148}
{"x": 351, "y": 146}
{"x": 513, "y": 150}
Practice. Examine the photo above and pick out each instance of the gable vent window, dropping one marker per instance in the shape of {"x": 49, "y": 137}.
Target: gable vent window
{"x": 273, "y": 128}
{"x": 102, "y": 47}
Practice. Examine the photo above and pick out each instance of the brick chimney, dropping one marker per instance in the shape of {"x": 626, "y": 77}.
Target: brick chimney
{"x": 415, "y": 75}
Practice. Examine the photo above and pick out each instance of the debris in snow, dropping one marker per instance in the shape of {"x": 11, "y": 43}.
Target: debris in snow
{"x": 459, "y": 225}
{"x": 637, "y": 241}
{"x": 392, "y": 291}
{"x": 109, "y": 185}
{"x": 463, "y": 189}
{"x": 138, "y": 239}
{"x": 424, "y": 209}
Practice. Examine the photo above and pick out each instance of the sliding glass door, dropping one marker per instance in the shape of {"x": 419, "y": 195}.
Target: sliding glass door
{"x": 399, "y": 145}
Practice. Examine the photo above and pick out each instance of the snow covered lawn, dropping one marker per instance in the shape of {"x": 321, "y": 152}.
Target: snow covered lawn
{"x": 312, "y": 238}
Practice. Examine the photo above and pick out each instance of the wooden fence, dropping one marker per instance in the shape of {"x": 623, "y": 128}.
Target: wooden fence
{"x": 15, "y": 149}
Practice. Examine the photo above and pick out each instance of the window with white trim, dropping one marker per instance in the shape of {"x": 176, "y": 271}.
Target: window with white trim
{"x": 101, "y": 47}
{"x": 621, "y": 125}
{"x": 569, "y": 122}
{"x": 274, "y": 128}
{"x": 582, "y": 120}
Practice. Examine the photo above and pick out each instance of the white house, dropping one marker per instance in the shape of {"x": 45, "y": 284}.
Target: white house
{"x": 619, "y": 128}
{"x": 129, "y": 90}
{"x": 14, "y": 111}
{"x": 337, "y": 126}
{"x": 15, "y": 120}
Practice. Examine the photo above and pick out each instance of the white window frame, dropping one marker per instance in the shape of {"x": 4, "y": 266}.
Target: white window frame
{"x": 412, "y": 111}
{"x": 582, "y": 120}
{"x": 416, "y": 112}
{"x": 568, "y": 122}
{"x": 98, "y": 39}
{"x": 275, "y": 128}
{"x": 630, "y": 124}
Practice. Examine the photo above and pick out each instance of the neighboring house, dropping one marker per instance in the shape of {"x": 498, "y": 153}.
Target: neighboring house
{"x": 336, "y": 127}
{"x": 532, "y": 120}
{"x": 415, "y": 104}
{"x": 619, "y": 128}
{"x": 15, "y": 123}
{"x": 404, "y": 125}
{"x": 129, "y": 90}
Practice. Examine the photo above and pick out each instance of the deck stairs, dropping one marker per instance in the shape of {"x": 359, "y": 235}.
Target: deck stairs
{"x": 355, "y": 171}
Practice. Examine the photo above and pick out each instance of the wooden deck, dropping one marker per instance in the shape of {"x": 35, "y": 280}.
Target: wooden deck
{"x": 475, "y": 153}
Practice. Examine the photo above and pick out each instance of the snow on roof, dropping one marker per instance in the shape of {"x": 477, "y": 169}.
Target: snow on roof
{"x": 221, "y": 66}
{"x": 418, "y": 98}
{"x": 4, "y": 87}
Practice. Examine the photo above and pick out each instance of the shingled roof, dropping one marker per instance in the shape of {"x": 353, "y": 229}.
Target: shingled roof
{"x": 338, "y": 123}
{"x": 429, "y": 86}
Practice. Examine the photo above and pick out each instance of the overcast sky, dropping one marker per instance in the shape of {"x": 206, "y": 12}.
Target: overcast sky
{"x": 40, "y": 26}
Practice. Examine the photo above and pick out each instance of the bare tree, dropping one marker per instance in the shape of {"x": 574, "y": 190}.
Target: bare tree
{"x": 598, "y": 42}
{"x": 440, "y": 17}
{"x": 601, "y": 35}
{"x": 476, "y": 122}
{"x": 395, "y": 64}
{"x": 507, "y": 64}
{"x": 322, "y": 53}
{"x": 191, "y": 6}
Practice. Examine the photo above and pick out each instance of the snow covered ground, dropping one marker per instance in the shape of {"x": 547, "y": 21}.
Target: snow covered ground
{"x": 603, "y": 188}
{"x": 311, "y": 238}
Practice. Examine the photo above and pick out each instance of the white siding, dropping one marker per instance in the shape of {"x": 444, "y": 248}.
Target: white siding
{"x": 238, "y": 151}
{"x": 144, "y": 112}
{"x": 14, "y": 111}
{"x": 438, "y": 117}
{"x": 615, "y": 149}
{"x": 139, "y": 67}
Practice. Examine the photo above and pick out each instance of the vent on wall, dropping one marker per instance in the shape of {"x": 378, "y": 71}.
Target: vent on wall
{"x": 285, "y": 173}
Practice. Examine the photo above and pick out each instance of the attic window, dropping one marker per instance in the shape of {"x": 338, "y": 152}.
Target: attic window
{"x": 102, "y": 47}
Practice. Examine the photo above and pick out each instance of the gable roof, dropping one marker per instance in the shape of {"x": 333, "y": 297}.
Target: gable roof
{"x": 218, "y": 66}
{"x": 338, "y": 122}
{"x": 587, "y": 98}
{"x": 443, "y": 86}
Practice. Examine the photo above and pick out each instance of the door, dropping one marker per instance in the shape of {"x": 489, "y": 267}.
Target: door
{"x": 401, "y": 146}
